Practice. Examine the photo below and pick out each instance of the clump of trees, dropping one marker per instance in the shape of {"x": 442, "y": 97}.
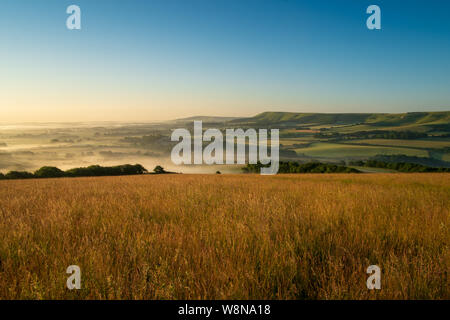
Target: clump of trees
{"x": 159, "y": 170}
{"x": 428, "y": 162}
{"x": 49, "y": 172}
{"x": 96, "y": 170}
{"x": 18, "y": 175}
{"x": 296, "y": 167}
{"x": 398, "y": 166}
{"x": 91, "y": 171}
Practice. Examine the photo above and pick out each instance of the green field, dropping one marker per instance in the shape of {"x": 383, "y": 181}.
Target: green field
{"x": 291, "y": 142}
{"x": 421, "y": 144}
{"x": 336, "y": 150}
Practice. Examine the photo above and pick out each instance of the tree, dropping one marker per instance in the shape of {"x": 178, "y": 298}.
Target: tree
{"x": 19, "y": 175}
{"x": 49, "y": 172}
{"x": 159, "y": 170}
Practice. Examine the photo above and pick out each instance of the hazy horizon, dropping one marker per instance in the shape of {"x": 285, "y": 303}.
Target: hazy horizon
{"x": 153, "y": 61}
{"x": 90, "y": 123}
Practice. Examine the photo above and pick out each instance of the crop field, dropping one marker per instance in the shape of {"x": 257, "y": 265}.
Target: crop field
{"x": 291, "y": 142}
{"x": 337, "y": 150}
{"x": 420, "y": 144}
{"x": 299, "y": 236}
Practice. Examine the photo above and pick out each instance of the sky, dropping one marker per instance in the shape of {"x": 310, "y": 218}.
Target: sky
{"x": 154, "y": 60}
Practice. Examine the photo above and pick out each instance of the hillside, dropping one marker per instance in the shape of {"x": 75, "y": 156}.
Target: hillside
{"x": 407, "y": 120}
{"x": 418, "y": 137}
{"x": 337, "y": 137}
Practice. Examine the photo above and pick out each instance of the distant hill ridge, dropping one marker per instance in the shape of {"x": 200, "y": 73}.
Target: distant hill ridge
{"x": 438, "y": 121}
{"x": 207, "y": 119}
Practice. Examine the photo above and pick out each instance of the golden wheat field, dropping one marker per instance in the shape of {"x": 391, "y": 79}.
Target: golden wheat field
{"x": 226, "y": 236}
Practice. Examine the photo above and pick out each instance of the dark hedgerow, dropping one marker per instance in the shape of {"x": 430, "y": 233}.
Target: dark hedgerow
{"x": 91, "y": 171}
{"x": 96, "y": 170}
{"x": 19, "y": 175}
{"x": 295, "y": 167}
{"x": 399, "y": 166}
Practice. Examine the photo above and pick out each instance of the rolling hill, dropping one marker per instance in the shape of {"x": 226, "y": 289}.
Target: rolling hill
{"x": 406, "y": 121}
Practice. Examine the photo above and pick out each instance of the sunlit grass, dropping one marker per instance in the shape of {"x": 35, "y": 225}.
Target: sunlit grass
{"x": 226, "y": 236}
{"x": 344, "y": 150}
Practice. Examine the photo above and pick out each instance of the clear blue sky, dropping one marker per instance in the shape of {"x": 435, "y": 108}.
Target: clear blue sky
{"x": 154, "y": 60}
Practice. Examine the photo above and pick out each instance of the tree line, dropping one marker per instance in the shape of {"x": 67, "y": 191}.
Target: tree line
{"x": 91, "y": 171}
{"x": 398, "y": 166}
{"x": 296, "y": 167}
{"x": 428, "y": 162}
